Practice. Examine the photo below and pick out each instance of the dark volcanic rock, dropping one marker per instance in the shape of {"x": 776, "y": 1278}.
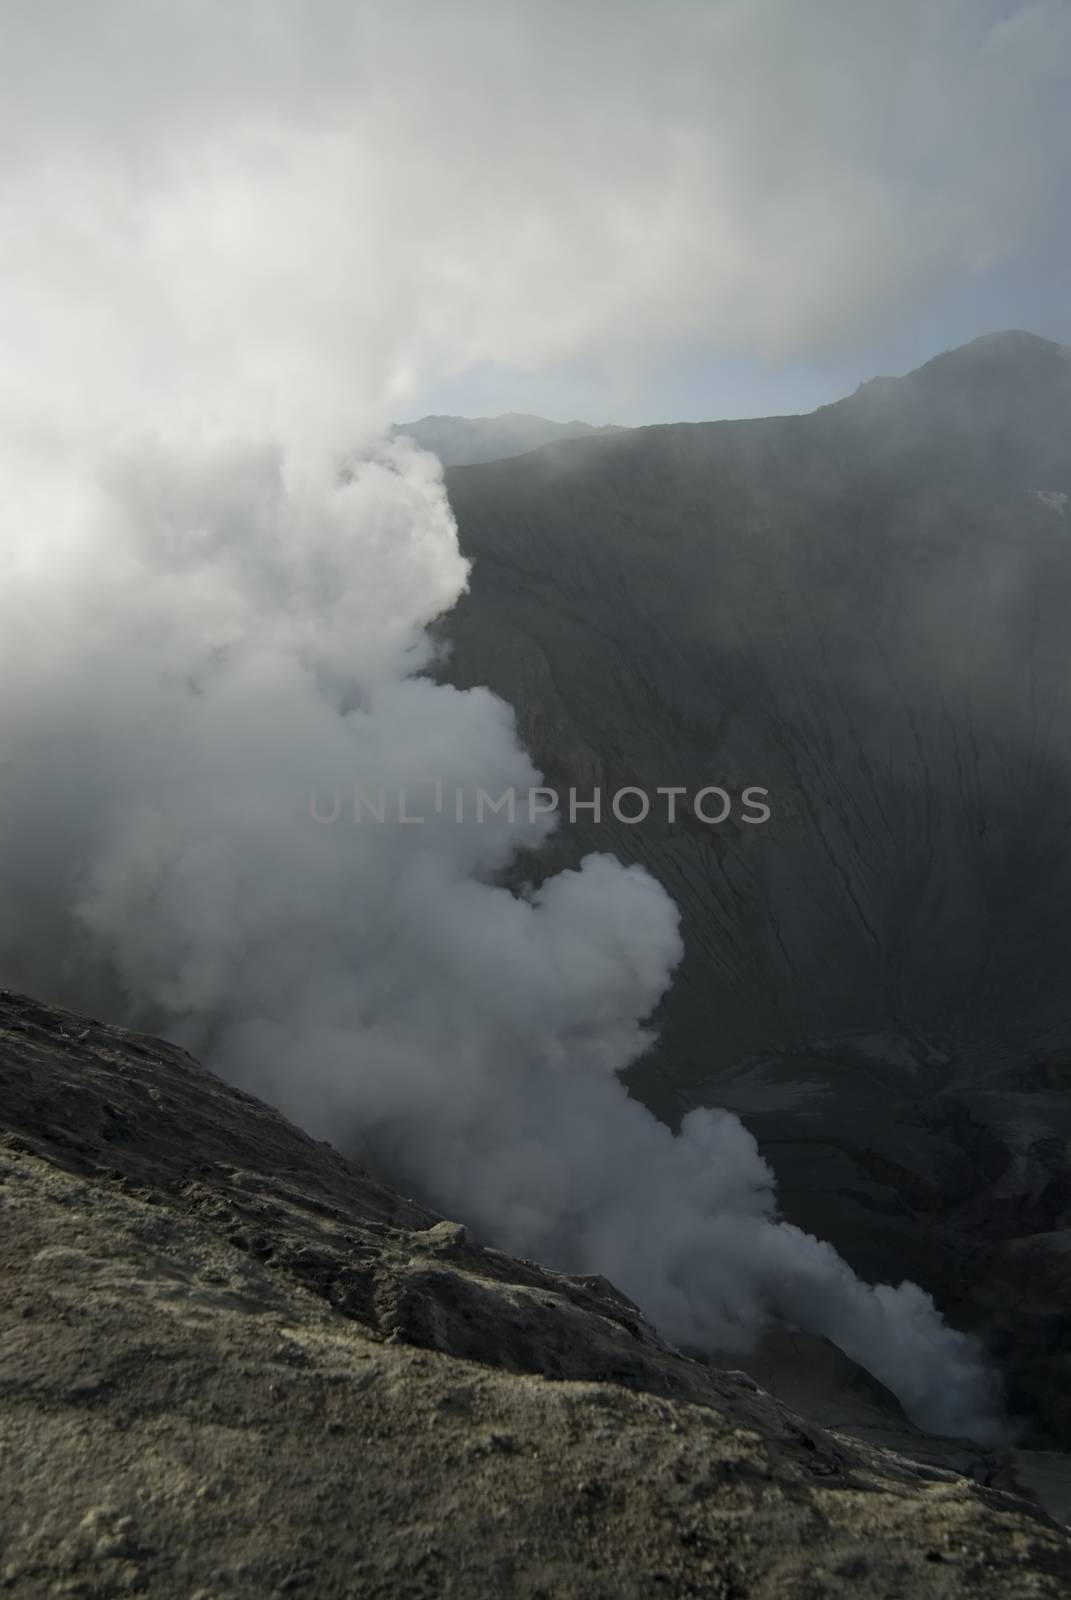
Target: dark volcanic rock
{"x": 864, "y": 611}
{"x": 234, "y": 1364}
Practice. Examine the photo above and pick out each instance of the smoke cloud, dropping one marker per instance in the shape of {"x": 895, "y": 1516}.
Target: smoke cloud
{"x": 216, "y": 593}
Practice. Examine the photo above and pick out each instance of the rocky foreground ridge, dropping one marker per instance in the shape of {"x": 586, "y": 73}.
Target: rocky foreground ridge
{"x": 232, "y": 1363}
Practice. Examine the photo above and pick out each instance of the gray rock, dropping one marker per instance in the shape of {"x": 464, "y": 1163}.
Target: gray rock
{"x": 232, "y": 1363}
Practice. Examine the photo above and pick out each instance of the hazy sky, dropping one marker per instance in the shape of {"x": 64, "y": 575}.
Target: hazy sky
{"x": 618, "y": 210}
{"x": 697, "y": 380}
{"x": 950, "y": 120}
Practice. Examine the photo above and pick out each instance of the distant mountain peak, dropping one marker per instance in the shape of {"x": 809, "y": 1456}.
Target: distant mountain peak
{"x": 1011, "y": 350}
{"x": 464, "y": 441}
{"x": 1007, "y": 340}
{"x": 1001, "y": 378}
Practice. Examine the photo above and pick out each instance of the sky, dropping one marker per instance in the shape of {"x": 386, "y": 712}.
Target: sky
{"x": 624, "y": 212}
{"x": 957, "y": 144}
{"x": 703, "y": 380}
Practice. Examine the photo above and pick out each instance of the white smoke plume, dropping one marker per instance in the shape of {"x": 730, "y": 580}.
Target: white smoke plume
{"x": 215, "y": 597}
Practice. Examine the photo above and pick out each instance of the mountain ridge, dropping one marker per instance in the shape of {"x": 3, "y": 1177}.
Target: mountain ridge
{"x": 462, "y": 440}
